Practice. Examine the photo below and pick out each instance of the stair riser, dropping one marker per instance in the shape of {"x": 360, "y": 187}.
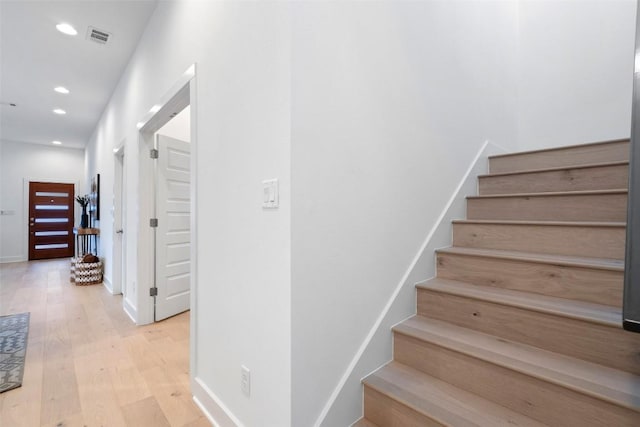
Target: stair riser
{"x": 571, "y": 156}
{"x": 598, "y": 207}
{"x": 596, "y": 343}
{"x": 584, "y": 284}
{"x": 387, "y": 412}
{"x": 582, "y": 179}
{"x": 541, "y": 400}
{"x": 597, "y": 242}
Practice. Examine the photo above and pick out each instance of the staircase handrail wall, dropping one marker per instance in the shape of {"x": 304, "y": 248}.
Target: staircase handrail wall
{"x": 631, "y": 303}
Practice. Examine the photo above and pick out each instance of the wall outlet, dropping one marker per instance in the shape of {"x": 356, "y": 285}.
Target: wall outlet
{"x": 245, "y": 380}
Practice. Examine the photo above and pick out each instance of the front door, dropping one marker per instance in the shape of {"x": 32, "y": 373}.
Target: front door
{"x": 50, "y": 220}
{"x": 173, "y": 233}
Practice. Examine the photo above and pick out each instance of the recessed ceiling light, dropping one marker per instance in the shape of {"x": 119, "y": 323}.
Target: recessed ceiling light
{"x": 59, "y": 111}
{"x": 139, "y": 125}
{"x": 66, "y": 29}
{"x": 61, "y": 89}
{"x": 56, "y": 142}
{"x": 155, "y": 108}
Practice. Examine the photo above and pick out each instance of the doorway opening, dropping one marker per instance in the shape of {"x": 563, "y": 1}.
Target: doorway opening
{"x": 166, "y": 231}
{"x": 51, "y": 215}
{"x": 119, "y": 218}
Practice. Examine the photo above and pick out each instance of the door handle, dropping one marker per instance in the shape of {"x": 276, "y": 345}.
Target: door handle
{"x": 119, "y": 231}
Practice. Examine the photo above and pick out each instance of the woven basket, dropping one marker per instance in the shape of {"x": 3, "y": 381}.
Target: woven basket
{"x": 72, "y": 274}
{"x": 86, "y": 273}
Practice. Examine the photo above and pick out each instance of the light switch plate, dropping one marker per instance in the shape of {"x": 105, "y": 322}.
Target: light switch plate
{"x": 270, "y": 195}
{"x": 245, "y": 380}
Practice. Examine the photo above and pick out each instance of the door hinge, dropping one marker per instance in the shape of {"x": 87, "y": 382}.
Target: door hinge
{"x": 153, "y": 222}
{"x": 153, "y": 153}
{"x": 153, "y": 292}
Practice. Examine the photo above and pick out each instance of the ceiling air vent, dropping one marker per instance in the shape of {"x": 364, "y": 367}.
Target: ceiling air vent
{"x": 98, "y": 36}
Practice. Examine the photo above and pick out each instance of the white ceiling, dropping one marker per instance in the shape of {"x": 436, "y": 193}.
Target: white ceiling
{"x": 35, "y": 58}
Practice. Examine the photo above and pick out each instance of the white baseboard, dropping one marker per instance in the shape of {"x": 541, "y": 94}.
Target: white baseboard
{"x": 107, "y": 284}
{"x": 130, "y": 310}
{"x": 375, "y": 350}
{"x": 212, "y": 407}
{"x": 15, "y": 258}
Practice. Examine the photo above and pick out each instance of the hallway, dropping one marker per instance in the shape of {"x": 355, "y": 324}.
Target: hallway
{"x": 87, "y": 363}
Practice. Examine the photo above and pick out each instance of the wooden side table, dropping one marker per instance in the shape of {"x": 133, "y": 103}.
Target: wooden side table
{"x": 84, "y": 238}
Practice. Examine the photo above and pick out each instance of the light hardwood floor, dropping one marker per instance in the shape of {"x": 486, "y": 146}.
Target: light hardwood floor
{"x": 87, "y": 363}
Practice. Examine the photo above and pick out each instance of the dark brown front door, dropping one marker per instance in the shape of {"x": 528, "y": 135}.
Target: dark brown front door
{"x": 50, "y": 220}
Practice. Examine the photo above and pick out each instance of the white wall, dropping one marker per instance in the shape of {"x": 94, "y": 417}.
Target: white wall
{"x": 242, "y": 109}
{"x": 575, "y": 74}
{"x": 20, "y": 161}
{"x": 391, "y": 101}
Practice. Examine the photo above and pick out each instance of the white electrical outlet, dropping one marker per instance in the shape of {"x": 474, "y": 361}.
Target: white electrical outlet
{"x": 245, "y": 381}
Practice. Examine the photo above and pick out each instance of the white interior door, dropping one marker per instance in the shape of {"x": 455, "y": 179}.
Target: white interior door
{"x": 173, "y": 242}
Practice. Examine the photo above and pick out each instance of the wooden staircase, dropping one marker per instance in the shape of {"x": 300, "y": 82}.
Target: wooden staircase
{"x": 522, "y": 325}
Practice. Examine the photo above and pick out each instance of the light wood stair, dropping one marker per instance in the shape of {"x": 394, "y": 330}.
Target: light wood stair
{"x": 576, "y": 155}
{"x": 580, "y": 239}
{"x": 598, "y": 176}
{"x": 587, "y": 279}
{"x": 522, "y": 325}
{"x": 596, "y": 205}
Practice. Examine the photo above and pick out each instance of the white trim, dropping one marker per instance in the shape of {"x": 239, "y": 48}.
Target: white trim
{"x": 15, "y": 258}
{"x": 145, "y": 247}
{"x": 210, "y": 404}
{"x": 204, "y": 411}
{"x": 443, "y": 219}
{"x": 129, "y": 309}
{"x": 193, "y": 325}
{"x": 150, "y": 122}
{"x": 107, "y": 284}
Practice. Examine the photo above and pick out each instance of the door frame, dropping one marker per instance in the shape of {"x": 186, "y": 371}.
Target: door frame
{"x": 181, "y": 94}
{"x": 25, "y": 208}
{"x": 119, "y": 275}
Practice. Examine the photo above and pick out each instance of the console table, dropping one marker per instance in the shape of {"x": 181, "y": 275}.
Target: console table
{"x": 84, "y": 239}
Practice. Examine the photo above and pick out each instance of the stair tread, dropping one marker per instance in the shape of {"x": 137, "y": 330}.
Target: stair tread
{"x": 553, "y": 194}
{"x": 590, "y": 312}
{"x": 561, "y": 148}
{"x": 612, "y": 385}
{"x": 555, "y": 168}
{"x": 363, "y": 422}
{"x": 442, "y": 401}
{"x": 616, "y": 224}
{"x": 584, "y": 262}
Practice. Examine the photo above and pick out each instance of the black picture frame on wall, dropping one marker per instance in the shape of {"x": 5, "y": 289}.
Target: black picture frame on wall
{"x": 94, "y": 198}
